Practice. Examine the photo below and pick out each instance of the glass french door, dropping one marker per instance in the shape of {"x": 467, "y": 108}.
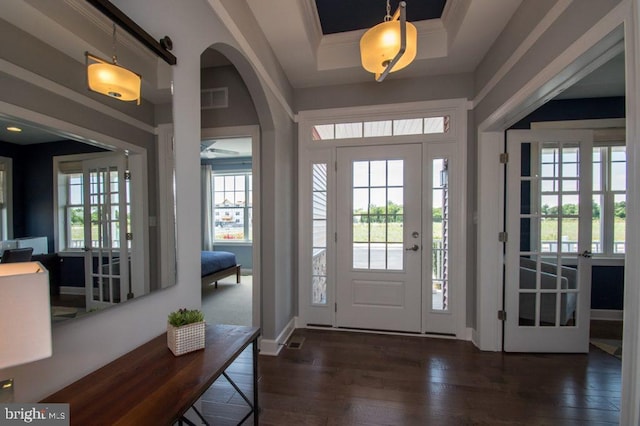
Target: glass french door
{"x": 106, "y": 227}
{"x": 548, "y": 248}
{"x": 379, "y": 238}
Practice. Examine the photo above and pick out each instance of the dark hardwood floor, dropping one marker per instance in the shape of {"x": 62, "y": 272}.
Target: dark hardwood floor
{"x": 340, "y": 378}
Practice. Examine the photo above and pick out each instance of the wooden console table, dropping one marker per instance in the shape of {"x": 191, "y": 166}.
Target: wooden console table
{"x": 151, "y": 386}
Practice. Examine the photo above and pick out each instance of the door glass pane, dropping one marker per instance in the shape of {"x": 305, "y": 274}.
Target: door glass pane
{"x": 568, "y": 309}
{"x": 545, "y": 298}
{"x": 547, "y": 310}
{"x": 377, "y": 217}
{"x": 440, "y": 230}
{"x": 527, "y": 309}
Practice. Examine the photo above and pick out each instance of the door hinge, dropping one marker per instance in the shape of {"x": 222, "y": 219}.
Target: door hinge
{"x": 502, "y": 315}
{"x": 335, "y": 237}
{"x": 503, "y": 237}
{"x": 335, "y": 165}
{"x": 335, "y": 307}
{"x": 127, "y": 175}
{"x": 129, "y": 236}
{"x": 504, "y": 158}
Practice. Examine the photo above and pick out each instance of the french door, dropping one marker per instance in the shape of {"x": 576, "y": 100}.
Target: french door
{"x": 548, "y": 248}
{"x": 106, "y": 227}
{"x": 379, "y": 238}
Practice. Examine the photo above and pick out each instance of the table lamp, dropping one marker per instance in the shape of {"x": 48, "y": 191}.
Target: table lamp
{"x": 25, "y": 318}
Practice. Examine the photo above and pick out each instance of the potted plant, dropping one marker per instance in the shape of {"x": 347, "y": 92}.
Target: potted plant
{"x": 185, "y": 331}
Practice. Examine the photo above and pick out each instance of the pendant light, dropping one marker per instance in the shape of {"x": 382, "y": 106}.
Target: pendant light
{"x": 390, "y": 45}
{"x": 111, "y": 79}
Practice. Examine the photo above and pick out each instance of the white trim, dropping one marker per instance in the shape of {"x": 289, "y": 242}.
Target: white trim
{"x": 252, "y": 56}
{"x": 546, "y": 22}
{"x": 273, "y": 347}
{"x": 166, "y": 213}
{"x": 601, "y": 123}
{"x": 252, "y": 131}
{"x": 489, "y": 250}
{"x": 630, "y": 398}
{"x": 74, "y": 291}
{"x": 606, "y": 314}
{"x": 53, "y": 87}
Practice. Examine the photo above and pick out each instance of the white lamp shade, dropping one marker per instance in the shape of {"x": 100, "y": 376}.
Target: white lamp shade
{"x": 25, "y": 313}
{"x": 380, "y": 44}
{"x": 114, "y": 80}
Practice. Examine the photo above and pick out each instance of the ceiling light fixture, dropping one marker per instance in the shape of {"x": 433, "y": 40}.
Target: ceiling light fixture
{"x": 390, "y": 45}
{"x": 14, "y": 129}
{"x": 111, "y": 79}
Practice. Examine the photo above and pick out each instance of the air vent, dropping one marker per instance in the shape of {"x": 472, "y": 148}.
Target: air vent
{"x": 214, "y": 98}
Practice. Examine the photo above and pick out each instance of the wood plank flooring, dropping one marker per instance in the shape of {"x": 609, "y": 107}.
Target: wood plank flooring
{"x": 340, "y": 378}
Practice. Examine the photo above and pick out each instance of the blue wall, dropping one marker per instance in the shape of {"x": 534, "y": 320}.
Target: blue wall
{"x": 607, "y": 282}
{"x": 33, "y": 185}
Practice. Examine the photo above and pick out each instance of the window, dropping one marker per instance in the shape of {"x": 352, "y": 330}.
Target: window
{"x": 232, "y": 207}
{"x": 609, "y": 199}
{"x": 371, "y": 129}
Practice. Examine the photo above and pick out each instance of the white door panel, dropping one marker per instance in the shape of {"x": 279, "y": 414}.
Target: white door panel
{"x": 379, "y": 238}
{"x": 548, "y": 270}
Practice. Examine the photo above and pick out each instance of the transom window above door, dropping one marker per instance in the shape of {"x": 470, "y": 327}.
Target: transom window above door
{"x": 372, "y": 129}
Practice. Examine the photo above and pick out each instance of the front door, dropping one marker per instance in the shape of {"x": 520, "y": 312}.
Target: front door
{"x": 548, "y": 270}
{"x": 379, "y": 238}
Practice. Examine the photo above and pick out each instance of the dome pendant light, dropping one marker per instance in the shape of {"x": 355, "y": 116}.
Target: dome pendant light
{"x": 111, "y": 79}
{"x": 390, "y": 45}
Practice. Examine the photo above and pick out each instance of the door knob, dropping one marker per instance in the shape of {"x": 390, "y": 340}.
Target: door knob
{"x": 586, "y": 254}
{"x": 414, "y": 248}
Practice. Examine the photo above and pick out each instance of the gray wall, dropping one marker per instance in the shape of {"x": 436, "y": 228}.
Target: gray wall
{"x": 240, "y": 111}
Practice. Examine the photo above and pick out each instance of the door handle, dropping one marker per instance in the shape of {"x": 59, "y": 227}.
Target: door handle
{"x": 586, "y": 254}
{"x": 414, "y": 248}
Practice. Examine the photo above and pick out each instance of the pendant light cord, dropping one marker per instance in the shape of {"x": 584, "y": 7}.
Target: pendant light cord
{"x": 388, "y": 16}
{"x": 115, "y": 56}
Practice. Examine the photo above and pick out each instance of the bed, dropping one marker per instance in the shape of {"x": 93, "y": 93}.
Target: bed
{"x": 216, "y": 265}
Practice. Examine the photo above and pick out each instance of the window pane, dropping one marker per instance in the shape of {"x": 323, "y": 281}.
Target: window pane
{"x": 618, "y": 168}
{"x": 619, "y": 222}
{"x": 434, "y": 125}
{"x": 377, "y": 128}
{"x": 440, "y": 235}
{"x": 348, "y": 130}
{"x": 322, "y": 132}
{"x": 407, "y": 127}
{"x": 596, "y": 224}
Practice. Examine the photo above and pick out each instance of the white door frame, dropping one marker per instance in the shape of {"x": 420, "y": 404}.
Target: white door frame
{"x": 254, "y": 133}
{"x": 310, "y": 152}
{"x": 488, "y": 334}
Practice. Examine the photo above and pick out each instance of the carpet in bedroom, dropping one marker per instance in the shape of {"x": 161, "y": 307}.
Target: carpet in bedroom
{"x": 230, "y": 303}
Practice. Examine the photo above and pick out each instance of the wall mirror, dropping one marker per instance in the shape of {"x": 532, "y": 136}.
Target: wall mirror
{"x": 85, "y": 180}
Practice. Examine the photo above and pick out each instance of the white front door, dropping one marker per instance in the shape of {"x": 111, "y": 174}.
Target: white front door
{"x": 379, "y": 238}
{"x": 106, "y": 226}
{"x": 548, "y": 269}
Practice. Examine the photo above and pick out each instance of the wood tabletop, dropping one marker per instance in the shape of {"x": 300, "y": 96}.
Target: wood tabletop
{"x": 149, "y": 385}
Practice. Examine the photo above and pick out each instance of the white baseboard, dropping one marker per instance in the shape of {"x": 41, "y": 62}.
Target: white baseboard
{"x": 607, "y": 314}
{"x": 75, "y": 291}
{"x": 273, "y": 347}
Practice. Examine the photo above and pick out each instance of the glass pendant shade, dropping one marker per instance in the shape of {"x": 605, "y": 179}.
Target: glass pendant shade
{"x": 380, "y": 44}
{"x": 114, "y": 80}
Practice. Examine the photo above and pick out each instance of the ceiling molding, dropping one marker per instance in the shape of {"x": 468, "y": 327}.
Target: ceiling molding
{"x": 312, "y": 22}
{"x": 453, "y": 17}
{"x": 253, "y": 57}
{"x": 546, "y": 22}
